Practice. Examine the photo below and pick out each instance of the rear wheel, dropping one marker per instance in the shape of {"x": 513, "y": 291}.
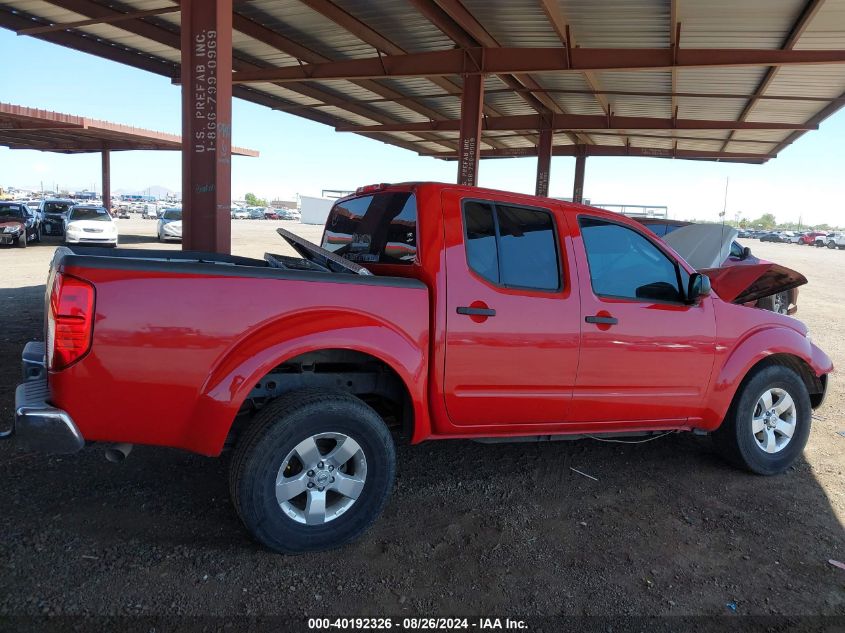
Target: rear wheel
{"x": 312, "y": 472}
{"x": 768, "y": 423}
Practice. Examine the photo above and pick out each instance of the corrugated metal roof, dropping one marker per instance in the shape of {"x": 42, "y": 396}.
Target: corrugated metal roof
{"x": 332, "y": 30}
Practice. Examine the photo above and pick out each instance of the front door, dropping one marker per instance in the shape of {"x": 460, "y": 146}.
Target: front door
{"x": 646, "y": 354}
{"x": 512, "y": 322}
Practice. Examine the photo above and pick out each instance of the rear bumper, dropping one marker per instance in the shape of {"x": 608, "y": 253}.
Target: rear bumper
{"x": 39, "y": 426}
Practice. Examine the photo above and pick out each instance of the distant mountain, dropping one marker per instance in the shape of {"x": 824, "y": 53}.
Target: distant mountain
{"x": 156, "y": 190}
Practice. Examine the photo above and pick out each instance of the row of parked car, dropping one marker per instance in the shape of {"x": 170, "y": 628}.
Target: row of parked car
{"x": 262, "y": 213}
{"x": 23, "y": 223}
{"x": 833, "y": 239}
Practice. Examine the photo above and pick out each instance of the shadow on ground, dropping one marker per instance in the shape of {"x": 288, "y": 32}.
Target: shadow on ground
{"x": 667, "y": 528}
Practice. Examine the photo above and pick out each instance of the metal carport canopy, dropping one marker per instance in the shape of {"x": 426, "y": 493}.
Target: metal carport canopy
{"x": 463, "y": 79}
{"x": 46, "y": 131}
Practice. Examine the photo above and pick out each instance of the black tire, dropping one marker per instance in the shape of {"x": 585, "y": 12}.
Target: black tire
{"x": 22, "y": 239}
{"x": 38, "y": 235}
{"x": 734, "y": 439}
{"x": 270, "y": 437}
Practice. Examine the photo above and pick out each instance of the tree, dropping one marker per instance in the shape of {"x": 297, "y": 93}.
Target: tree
{"x": 254, "y": 201}
{"x": 765, "y": 221}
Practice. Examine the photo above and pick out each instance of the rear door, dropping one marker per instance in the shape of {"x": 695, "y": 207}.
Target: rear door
{"x": 646, "y": 355}
{"x": 512, "y": 315}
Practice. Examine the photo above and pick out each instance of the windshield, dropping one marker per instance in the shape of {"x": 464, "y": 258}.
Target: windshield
{"x": 172, "y": 214}
{"x": 99, "y": 214}
{"x": 57, "y": 207}
{"x": 380, "y": 228}
{"x": 9, "y": 211}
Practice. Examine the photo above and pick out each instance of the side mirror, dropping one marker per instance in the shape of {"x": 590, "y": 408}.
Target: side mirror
{"x": 746, "y": 253}
{"x": 699, "y": 286}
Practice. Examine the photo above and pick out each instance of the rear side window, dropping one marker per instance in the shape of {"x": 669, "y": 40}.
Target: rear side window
{"x": 512, "y": 246}
{"x": 623, "y": 263}
{"x": 377, "y": 229}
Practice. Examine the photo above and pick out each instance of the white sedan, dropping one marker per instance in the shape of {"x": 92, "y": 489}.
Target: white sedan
{"x": 89, "y": 224}
{"x": 169, "y": 225}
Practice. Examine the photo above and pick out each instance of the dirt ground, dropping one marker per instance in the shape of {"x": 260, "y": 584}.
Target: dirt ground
{"x": 666, "y": 528}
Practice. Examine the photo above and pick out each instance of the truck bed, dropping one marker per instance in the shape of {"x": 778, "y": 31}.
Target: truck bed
{"x": 180, "y": 338}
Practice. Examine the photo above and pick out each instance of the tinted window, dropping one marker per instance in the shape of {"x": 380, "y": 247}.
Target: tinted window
{"x": 381, "y": 228}
{"x": 172, "y": 214}
{"x": 623, "y": 263}
{"x": 527, "y": 252}
{"x": 482, "y": 253}
{"x": 512, "y": 246}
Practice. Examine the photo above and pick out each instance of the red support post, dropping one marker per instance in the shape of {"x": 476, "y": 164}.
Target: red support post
{"x": 206, "y": 124}
{"x": 469, "y": 147}
{"x": 578, "y": 187}
{"x": 106, "y": 179}
{"x": 544, "y": 163}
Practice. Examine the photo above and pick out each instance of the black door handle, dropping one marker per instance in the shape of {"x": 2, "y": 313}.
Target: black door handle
{"x": 488, "y": 312}
{"x": 602, "y": 320}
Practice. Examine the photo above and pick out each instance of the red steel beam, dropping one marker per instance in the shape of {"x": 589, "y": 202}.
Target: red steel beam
{"x": 469, "y": 144}
{"x": 464, "y": 28}
{"x": 106, "y": 178}
{"x": 630, "y": 93}
{"x": 544, "y": 163}
{"x": 578, "y": 181}
{"x": 807, "y": 14}
{"x": 112, "y": 19}
{"x": 611, "y": 150}
{"x": 206, "y": 124}
{"x": 576, "y": 122}
{"x": 535, "y": 60}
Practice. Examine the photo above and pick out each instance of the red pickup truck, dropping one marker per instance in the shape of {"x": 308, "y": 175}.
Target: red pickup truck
{"x": 432, "y": 311}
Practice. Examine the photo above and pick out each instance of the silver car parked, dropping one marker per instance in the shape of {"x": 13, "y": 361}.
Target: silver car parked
{"x": 169, "y": 226}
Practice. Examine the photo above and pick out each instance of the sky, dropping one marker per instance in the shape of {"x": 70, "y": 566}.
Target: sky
{"x": 298, "y": 156}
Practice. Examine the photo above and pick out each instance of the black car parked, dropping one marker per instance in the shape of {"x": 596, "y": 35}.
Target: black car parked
{"x": 53, "y": 216}
{"x": 771, "y": 237}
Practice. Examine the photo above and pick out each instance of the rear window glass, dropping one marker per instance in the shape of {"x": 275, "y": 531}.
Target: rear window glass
{"x": 377, "y": 229}
{"x": 89, "y": 213}
{"x": 57, "y": 207}
{"x": 512, "y": 246}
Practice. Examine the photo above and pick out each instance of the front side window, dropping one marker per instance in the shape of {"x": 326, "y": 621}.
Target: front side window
{"x": 625, "y": 264}
{"x": 378, "y": 229}
{"x": 512, "y": 246}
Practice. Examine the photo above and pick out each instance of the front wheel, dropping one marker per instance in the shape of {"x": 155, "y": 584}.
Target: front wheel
{"x": 22, "y": 240}
{"x": 312, "y": 471}
{"x": 768, "y": 423}
{"x": 778, "y": 302}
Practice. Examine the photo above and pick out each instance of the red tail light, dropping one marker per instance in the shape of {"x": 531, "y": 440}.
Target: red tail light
{"x": 69, "y": 322}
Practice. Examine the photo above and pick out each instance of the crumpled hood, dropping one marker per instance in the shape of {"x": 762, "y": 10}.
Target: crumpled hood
{"x": 745, "y": 284}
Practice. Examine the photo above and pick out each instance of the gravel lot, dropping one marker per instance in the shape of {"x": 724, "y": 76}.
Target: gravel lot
{"x": 668, "y": 528}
